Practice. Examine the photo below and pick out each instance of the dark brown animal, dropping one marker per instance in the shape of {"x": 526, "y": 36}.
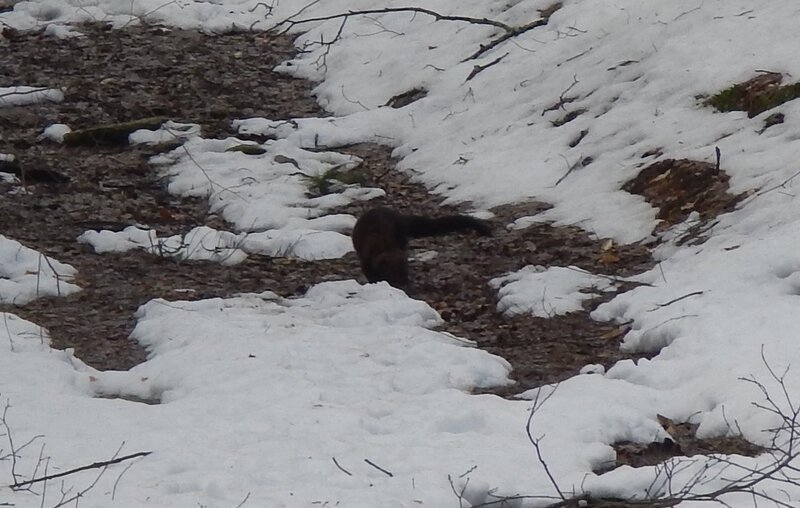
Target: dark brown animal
{"x": 381, "y": 235}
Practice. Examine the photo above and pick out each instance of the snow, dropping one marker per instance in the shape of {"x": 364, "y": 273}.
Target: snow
{"x": 547, "y": 292}
{"x": 353, "y": 372}
{"x": 56, "y": 132}
{"x": 251, "y": 401}
{"x": 200, "y": 244}
{"x": 268, "y": 196}
{"x": 7, "y": 177}
{"x": 260, "y": 192}
{"x": 169, "y": 132}
{"x": 27, "y": 95}
{"x": 203, "y": 243}
{"x": 26, "y": 274}
{"x": 61, "y": 32}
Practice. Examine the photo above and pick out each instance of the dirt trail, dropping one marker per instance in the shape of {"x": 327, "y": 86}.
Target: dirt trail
{"x": 121, "y": 75}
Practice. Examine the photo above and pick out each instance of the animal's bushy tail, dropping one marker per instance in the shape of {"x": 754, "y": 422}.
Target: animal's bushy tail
{"x": 417, "y": 226}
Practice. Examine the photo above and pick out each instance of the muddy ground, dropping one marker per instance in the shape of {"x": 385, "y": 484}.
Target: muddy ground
{"x": 121, "y": 75}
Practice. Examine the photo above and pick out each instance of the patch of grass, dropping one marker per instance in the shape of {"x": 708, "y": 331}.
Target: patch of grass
{"x": 113, "y": 134}
{"x": 755, "y": 96}
{"x": 326, "y": 182}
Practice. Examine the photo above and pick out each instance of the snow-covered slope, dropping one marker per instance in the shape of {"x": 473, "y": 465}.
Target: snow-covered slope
{"x": 635, "y": 71}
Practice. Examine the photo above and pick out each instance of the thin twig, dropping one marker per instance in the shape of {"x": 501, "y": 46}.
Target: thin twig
{"x": 674, "y": 300}
{"x": 780, "y": 185}
{"x": 243, "y": 500}
{"x": 290, "y": 23}
{"x": 387, "y": 473}
{"x": 477, "y": 69}
{"x": 506, "y": 36}
{"x": 94, "y": 465}
{"x": 345, "y": 471}
{"x": 537, "y": 404}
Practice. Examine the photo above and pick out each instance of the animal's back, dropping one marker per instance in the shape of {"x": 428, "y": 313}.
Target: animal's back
{"x": 380, "y": 238}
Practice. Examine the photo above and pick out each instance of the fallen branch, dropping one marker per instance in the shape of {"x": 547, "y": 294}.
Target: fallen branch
{"x": 345, "y": 471}
{"x": 14, "y": 451}
{"x": 689, "y": 295}
{"x": 508, "y": 35}
{"x": 291, "y": 23}
{"x": 94, "y": 465}
{"x": 509, "y": 31}
{"x": 537, "y": 404}
{"x": 379, "y": 468}
{"x": 480, "y": 68}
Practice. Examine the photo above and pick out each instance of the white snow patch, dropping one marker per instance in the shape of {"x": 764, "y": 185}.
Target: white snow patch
{"x": 547, "y": 292}
{"x": 307, "y": 244}
{"x": 26, "y": 274}
{"x": 168, "y": 133}
{"x": 56, "y": 132}
{"x": 281, "y": 388}
{"x": 202, "y": 243}
{"x": 61, "y": 31}
{"x": 267, "y": 194}
{"x": 593, "y": 368}
{"x": 27, "y": 95}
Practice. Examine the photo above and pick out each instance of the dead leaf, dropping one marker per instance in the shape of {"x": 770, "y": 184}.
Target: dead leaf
{"x": 615, "y": 333}
{"x": 608, "y": 258}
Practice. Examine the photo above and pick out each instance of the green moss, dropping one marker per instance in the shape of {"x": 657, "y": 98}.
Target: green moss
{"x": 728, "y": 100}
{"x": 114, "y": 134}
{"x": 325, "y": 182}
{"x": 741, "y": 97}
{"x": 773, "y": 98}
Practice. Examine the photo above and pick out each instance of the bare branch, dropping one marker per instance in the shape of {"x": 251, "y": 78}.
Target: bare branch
{"x": 509, "y": 31}
{"x": 508, "y": 35}
{"x": 479, "y": 68}
{"x": 345, "y": 471}
{"x": 537, "y": 404}
{"x": 674, "y": 300}
{"x": 94, "y": 465}
{"x": 290, "y": 23}
{"x": 243, "y": 501}
{"x": 379, "y": 468}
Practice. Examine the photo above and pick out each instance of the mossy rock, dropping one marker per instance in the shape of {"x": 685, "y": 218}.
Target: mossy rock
{"x": 112, "y": 134}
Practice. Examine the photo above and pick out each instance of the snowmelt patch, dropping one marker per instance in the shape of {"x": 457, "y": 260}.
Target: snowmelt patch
{"x": 547, "y": 292}
{"x": 26, "y": 274}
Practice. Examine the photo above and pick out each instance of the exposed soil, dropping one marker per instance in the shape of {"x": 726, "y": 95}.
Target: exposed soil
{"x": 682, "y": 442}
{"x": 455, "y": 282}
{"x": 678, "y": 187}
{"x": 116, "y": 76}
{"x": 122, "y": 75}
